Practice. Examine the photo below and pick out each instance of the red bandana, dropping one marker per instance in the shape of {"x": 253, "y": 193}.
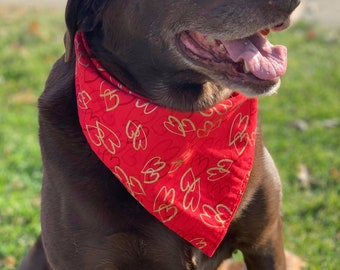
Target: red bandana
{"x": 189, "y": 170}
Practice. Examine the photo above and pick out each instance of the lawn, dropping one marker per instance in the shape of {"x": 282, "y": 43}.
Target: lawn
{"x": 301, "y": 126}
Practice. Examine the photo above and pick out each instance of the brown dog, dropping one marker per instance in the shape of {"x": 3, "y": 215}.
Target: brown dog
{"x": 184, "y": 55}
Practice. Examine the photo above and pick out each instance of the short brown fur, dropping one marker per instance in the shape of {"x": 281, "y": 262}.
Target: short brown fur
{"x": 89, "y": 221}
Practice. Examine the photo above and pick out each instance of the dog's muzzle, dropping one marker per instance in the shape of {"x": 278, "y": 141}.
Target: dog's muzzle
{"x": 284, "y": 5}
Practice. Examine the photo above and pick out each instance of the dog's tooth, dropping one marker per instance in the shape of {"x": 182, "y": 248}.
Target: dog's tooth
{"x": 210, "y": 40}
{"x": 245, "y": 67}
{"x": 221, "y": 48}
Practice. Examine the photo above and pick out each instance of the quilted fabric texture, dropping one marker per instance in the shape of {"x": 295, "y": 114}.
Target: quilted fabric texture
{"x": 189, "y": 170}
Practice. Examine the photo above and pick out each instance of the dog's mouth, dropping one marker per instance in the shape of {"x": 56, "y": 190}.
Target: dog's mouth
{"x": 252, "y": 60}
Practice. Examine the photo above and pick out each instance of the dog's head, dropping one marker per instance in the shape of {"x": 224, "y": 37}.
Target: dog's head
{"x": 187, "y": 55}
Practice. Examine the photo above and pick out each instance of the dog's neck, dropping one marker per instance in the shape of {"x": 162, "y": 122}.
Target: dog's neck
{"x": 189, "y": 170}
{"x": 184, "y": 90}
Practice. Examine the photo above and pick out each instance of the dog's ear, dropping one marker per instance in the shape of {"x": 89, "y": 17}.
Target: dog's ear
{"x": 81, "y": 15}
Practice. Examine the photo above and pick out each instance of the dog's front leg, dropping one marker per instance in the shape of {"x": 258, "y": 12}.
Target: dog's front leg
{"x": 270, "y": 255}
{"x": 36, "y": 258}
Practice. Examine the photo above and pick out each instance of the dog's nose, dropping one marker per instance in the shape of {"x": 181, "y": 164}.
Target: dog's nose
{"x": 285, "y": 5}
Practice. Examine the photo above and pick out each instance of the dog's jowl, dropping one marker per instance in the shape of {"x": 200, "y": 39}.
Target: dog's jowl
{"x": 151, "y": 147}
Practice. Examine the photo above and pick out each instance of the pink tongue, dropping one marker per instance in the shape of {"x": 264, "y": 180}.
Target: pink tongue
{"x": 265, "y": 61}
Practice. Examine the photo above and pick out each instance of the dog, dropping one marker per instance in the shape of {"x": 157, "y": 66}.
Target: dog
{"x": 102, "y": 206}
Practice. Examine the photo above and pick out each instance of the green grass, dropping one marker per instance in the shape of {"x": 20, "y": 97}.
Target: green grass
{"x": 31, "y": 41}
{"x": 309, "y": 92}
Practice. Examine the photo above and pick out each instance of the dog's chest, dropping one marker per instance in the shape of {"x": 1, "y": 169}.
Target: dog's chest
{"x": 189, "y": 170}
